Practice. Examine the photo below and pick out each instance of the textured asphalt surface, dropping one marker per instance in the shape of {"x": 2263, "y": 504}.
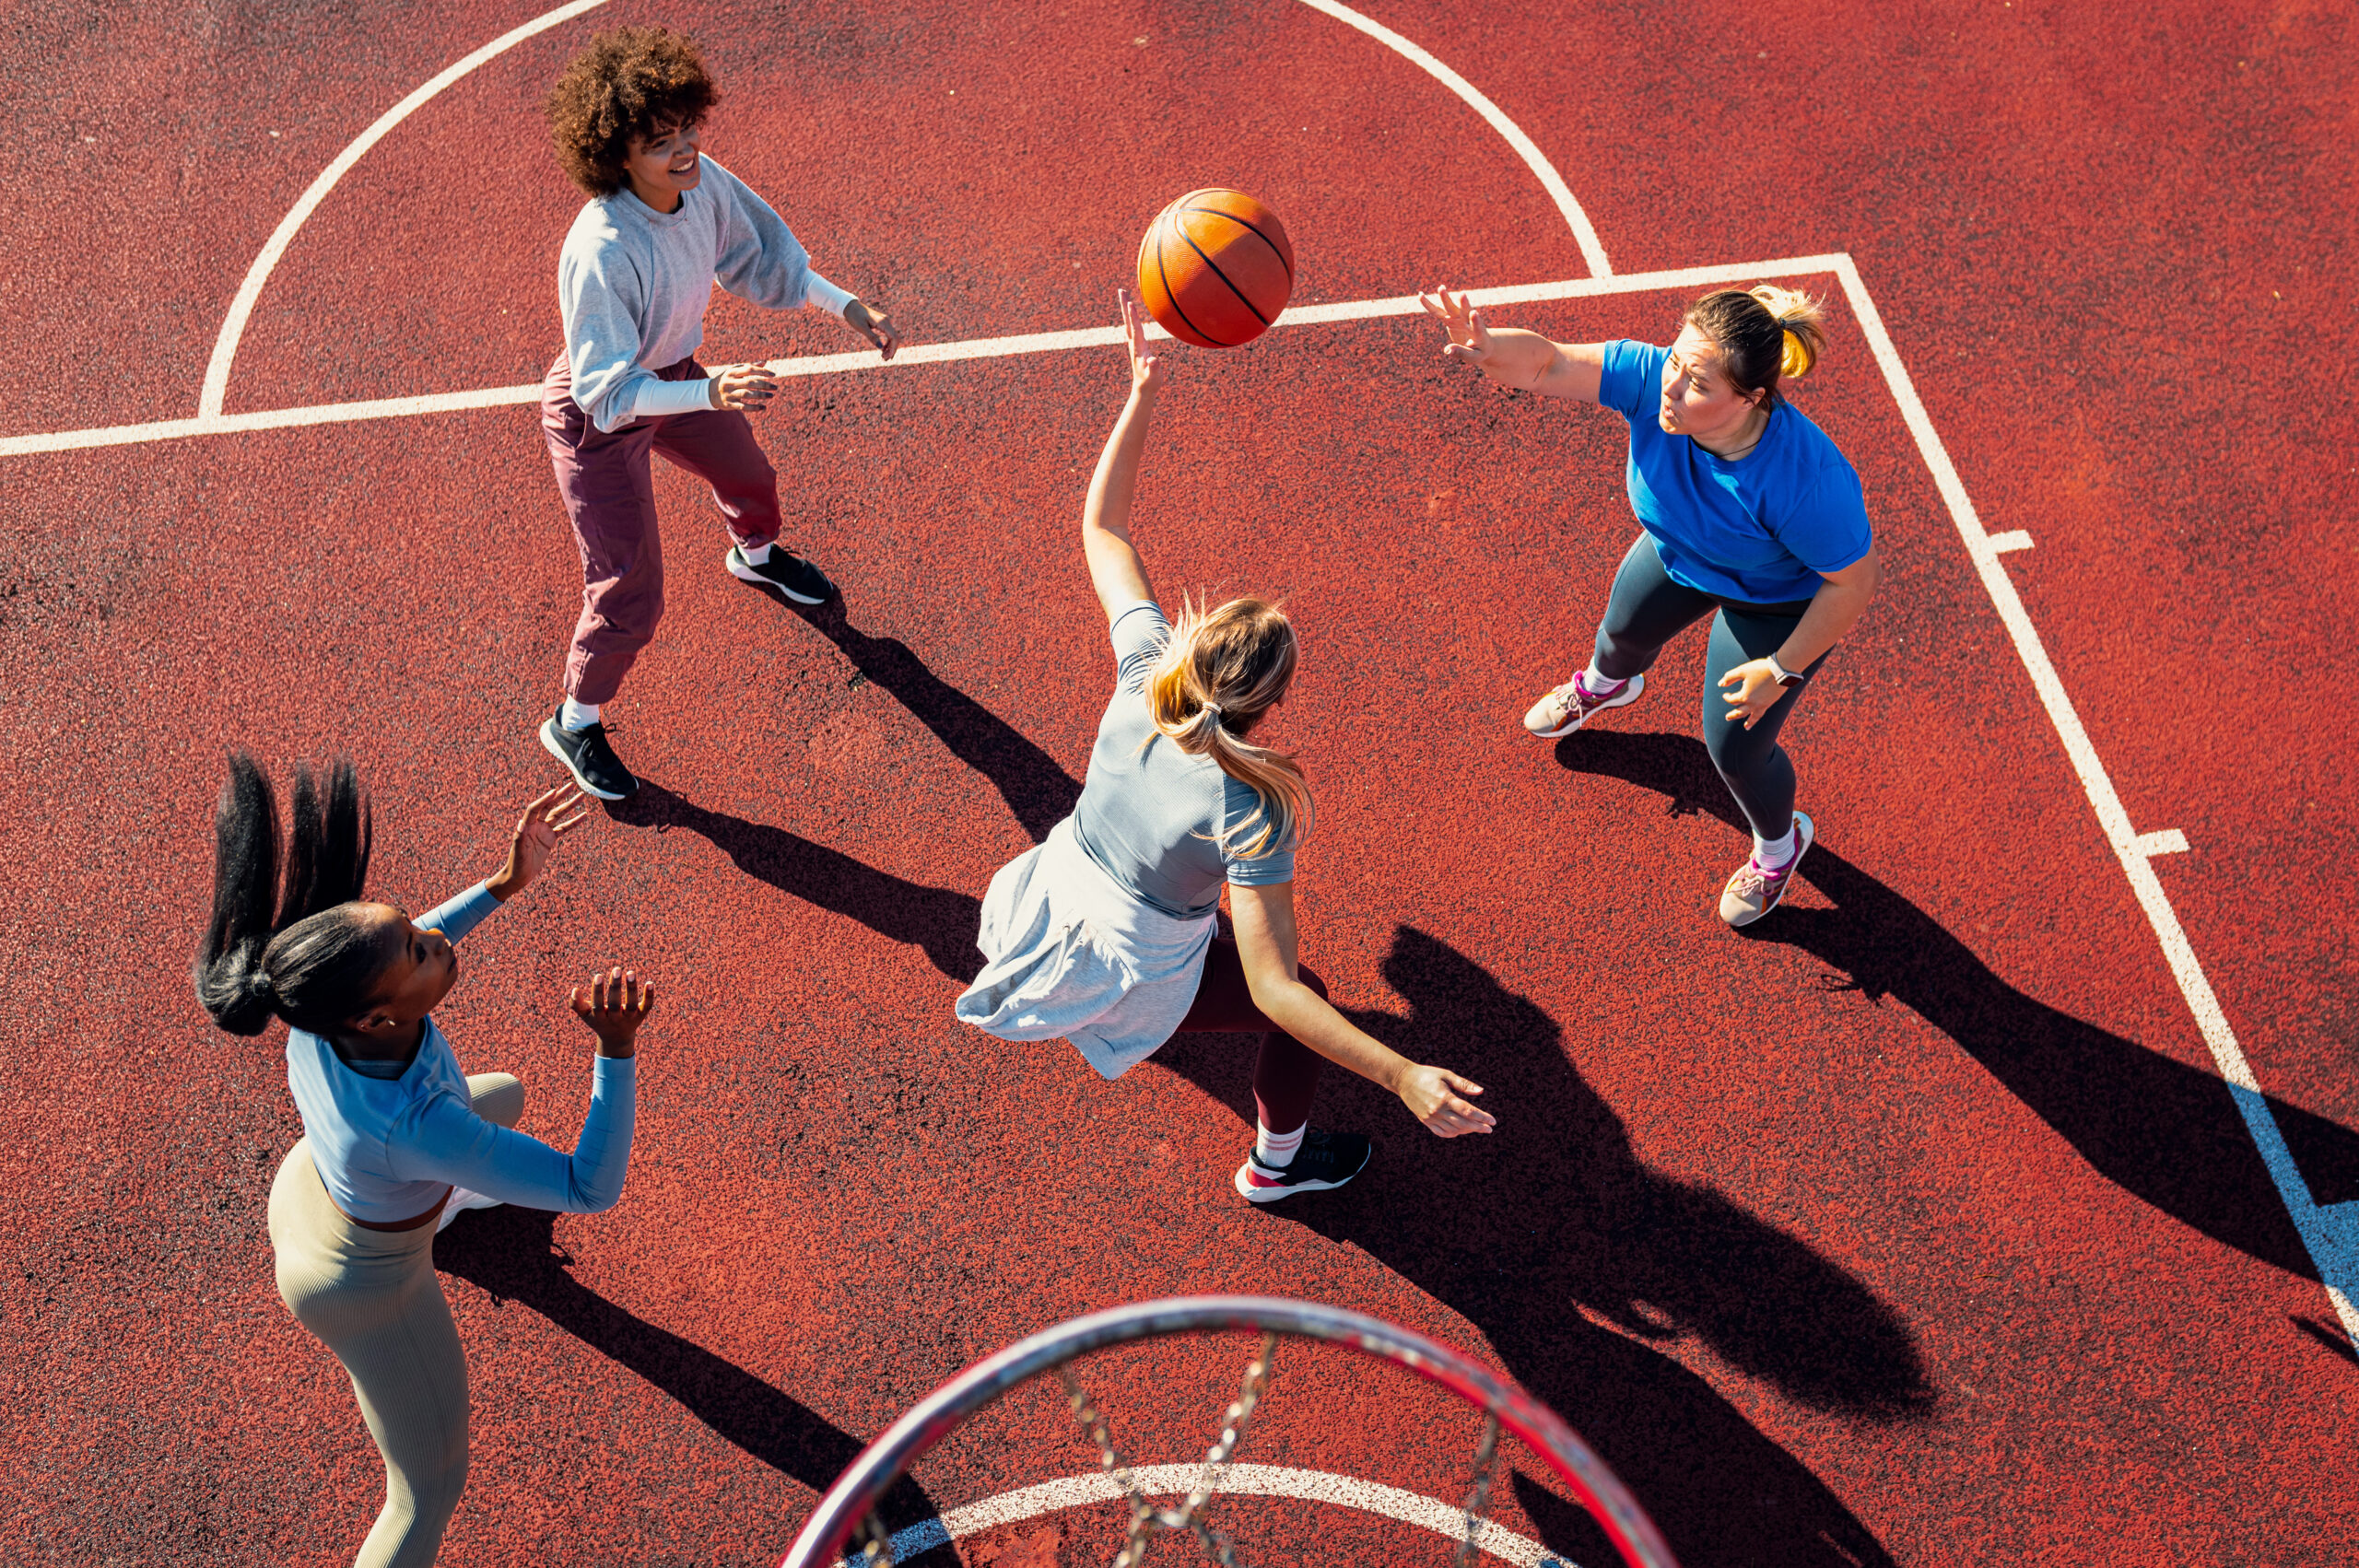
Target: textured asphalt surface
{"x": 1912, "y": 1228}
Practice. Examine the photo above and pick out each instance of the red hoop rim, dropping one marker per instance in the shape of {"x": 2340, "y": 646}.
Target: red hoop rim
{"x": 882, "y": 1462}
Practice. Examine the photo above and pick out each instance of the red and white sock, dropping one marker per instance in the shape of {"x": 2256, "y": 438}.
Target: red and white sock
{"x": 1276, "y": 1150}
{"x": 756, "y": 554}
{"x": 1600, "y": 686}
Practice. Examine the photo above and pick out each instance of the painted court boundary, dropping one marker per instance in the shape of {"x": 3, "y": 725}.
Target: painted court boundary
{"x": 2330, "y": 1233}
{"x": 1236, "y": 1480}
{"x": 212, "y": 396}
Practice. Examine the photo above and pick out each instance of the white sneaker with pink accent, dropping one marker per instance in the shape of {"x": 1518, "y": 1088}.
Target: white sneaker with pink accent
{"x": 1756, "y": 889}
{"x": 1572, "y": 705}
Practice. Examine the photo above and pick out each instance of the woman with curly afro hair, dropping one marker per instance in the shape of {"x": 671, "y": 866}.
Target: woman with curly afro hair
{"x": 662, "y": 224}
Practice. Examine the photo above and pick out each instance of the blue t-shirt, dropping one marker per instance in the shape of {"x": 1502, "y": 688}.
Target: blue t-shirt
{"x": 1149, "y": 813}
{"x": 1763, "y": 529}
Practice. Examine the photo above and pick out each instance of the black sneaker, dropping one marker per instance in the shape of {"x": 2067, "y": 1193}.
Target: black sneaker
{"x": 588, "y": 758}
{"x": 1325, "y": 1160}
{"x": 786, "y": 571}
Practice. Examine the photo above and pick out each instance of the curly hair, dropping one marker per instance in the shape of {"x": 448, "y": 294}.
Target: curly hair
{"x": 630, "y": 82}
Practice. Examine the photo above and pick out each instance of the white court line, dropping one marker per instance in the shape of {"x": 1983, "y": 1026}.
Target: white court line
{"x": 1243, "y": 1480}
{"x": 1575, "y": 218}
{"x": 233, "y": 325}
{"x": 2330, "y": 1234}
{"x": 215, "y": 392}
{"x": 911, "y": 356}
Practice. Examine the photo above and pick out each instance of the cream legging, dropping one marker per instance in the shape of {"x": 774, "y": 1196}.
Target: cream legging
{"x": 372, "y": 1296}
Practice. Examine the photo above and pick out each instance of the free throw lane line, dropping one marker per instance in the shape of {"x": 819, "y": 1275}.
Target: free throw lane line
{"x": 218, "y": 424}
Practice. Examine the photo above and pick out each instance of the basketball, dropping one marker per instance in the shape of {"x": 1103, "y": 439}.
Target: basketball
{"x": 1215, "y": 268}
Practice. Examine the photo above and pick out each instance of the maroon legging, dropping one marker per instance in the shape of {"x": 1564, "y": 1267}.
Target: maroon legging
{"x": 1286, "y": 1075}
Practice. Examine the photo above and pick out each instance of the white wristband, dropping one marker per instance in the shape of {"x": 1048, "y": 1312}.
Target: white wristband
{"x": 1779, "y": 673}
{"x": 825, "y": 296}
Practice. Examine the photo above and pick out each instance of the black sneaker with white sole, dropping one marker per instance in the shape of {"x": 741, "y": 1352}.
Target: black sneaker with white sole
{"x": 1325, "y": 1160}
{"x": 786, "y": 571}
{"x": 589, "y": 757}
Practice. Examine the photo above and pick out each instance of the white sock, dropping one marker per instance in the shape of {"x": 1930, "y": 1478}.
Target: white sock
{"x": 577, "y": 715}
{"x": 1602, "y": 686}
{"x": 1276, "y": 1150}
{"x": 755, "y": 553}
{"x": 1771, "y": 853}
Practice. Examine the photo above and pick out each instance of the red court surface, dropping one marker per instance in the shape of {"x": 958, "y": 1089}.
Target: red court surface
{"x": 1917, "y": 1225}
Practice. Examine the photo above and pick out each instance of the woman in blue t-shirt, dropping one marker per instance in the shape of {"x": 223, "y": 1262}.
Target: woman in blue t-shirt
{"x": 1749, "y": 515}
{"x": 396, "y": 1139}
{"x": 1105, "y": 933}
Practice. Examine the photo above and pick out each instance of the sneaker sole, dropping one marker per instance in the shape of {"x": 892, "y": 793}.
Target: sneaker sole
{"x": 1809, "y": 836}
{"x": 1252, "y": 1194}
{"x": 1637, "y": 688}
{"x": 747, "y": 574}
{"x": 557, "y": 752}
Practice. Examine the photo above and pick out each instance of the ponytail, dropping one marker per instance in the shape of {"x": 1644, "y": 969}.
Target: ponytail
{"x": 1764, "y": 334}
{"x": 302, "y": 953}
{"x": 1220, "y": 673}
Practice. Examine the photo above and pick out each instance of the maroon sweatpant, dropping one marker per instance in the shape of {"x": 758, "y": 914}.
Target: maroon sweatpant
{"x": 1286, "y": 1073}
{"x": 610, "y": 495}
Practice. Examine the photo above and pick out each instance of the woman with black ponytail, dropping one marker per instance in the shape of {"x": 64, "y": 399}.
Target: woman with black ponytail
{"x": 396, "y": 1139}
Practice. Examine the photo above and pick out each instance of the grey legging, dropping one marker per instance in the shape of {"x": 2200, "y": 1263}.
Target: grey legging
{"x": 1647, "y": 609}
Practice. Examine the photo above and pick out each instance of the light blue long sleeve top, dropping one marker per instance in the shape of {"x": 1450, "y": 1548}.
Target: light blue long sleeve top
{"x": 633, "y": 283}
{"x": 386, "y": 1149}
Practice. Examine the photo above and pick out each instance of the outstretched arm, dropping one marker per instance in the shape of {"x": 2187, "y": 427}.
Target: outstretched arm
{"x": 1266, "y": 946}
{"x": 1115, "y": 570}
{"x": 546, "y": 819}
{"x": 1513, "y": 357}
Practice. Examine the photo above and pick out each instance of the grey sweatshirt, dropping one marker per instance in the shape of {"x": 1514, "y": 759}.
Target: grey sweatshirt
{"x": 633, "y": 283}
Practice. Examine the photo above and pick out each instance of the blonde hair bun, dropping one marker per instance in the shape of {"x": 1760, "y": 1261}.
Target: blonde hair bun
{"x": 1803, "y": 324}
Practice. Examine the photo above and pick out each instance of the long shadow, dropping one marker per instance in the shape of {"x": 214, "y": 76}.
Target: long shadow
{"x": 2165, "y": 1131}
{"x": 512, "y": 1254}
{"x": 1575, "y": 1259}
{"x": 1035, "y": 785}
{"x": 938, "y": 920}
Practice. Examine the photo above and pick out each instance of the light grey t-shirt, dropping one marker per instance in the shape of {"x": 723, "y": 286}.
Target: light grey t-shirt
{"x": 1149, "y": 812}
{"x": 633, "y": 283}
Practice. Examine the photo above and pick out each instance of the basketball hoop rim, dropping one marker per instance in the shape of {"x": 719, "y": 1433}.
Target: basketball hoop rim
{"x": 883, "y": 1461}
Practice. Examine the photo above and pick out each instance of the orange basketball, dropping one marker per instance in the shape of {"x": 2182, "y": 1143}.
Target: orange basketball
{"x": 1215, "y": 268}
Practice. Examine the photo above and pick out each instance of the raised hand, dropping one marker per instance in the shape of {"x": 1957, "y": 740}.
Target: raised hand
{"x": 1147, "y": 369}
{"x": 872, "y": 324}
{"x": 1470, "y": 336}
{"x": 614, "y": 1005}
{"x": 1437, "y": 1098}
{"x": 545, "y": 821}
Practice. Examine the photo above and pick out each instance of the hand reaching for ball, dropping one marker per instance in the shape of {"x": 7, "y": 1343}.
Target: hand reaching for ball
{"x": 1469, "y": 335}
{"x": 1146, "y": 370}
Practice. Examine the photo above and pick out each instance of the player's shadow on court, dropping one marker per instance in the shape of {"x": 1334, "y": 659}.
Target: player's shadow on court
{"x": 1035, "y": 785}
{"x": 937, "y": 919}
{"x": 1575, "y": 1260}
{"x": 513, "y": 1254}
{"x": 2165, "y": 1131}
